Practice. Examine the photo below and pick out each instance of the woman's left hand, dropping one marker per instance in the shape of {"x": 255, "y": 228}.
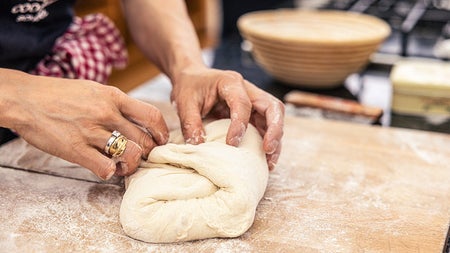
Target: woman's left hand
{"x": 199, "y": 91}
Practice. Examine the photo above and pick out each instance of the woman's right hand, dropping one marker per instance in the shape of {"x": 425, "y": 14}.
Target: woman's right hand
{"x": 73, "y": 119}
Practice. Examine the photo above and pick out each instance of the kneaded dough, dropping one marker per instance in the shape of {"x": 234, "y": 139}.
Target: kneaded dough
{"x": 187, "y": 192}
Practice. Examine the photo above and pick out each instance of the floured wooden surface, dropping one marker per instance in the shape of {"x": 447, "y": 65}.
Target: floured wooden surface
{"x": 21, "y": 155}
{"x": 337, "y": 188}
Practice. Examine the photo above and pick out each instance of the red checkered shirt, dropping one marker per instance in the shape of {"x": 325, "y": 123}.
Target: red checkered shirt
{"x": 91, "y": 47}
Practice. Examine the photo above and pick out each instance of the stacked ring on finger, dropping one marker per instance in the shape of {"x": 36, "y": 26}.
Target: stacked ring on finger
{"x": 116, "y": 144}
{"x": 114, "y": 136}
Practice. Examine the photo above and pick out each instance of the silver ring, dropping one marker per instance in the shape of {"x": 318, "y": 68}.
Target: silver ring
{"x": 114, "y": 135}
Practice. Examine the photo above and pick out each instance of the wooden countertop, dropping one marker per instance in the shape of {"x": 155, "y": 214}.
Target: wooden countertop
{"x": 338, "y": 187}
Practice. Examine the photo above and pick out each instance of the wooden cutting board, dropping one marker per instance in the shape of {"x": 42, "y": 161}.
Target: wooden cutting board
{"x": 338, "y": 187}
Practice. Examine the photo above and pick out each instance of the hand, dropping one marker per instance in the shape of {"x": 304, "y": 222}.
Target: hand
{"x": 199, "y": 91}
{"x": 73, "y": 119}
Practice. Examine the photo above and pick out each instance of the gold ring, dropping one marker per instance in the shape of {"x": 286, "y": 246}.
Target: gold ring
{"x": 118, "y": 146}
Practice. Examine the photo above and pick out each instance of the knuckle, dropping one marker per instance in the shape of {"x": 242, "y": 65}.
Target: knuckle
{"x": 234, "y": 75}
{"x": 112, "y": 90}
{"x": 154, "y": 116}
{"x": 113, "y": 94}
{"x": 279, "y": 105}
{"x": 105, "y": 109}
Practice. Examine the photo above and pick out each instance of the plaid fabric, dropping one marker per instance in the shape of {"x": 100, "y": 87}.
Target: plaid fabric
{"x": 89, "y": 49}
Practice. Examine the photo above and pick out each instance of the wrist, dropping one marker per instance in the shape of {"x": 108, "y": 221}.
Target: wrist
{"x": 178, "y": 72}
{"x": 12, "y": 83}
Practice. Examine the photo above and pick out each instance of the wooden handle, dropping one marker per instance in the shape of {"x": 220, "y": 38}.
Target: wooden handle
{"x": 305, "y": 99}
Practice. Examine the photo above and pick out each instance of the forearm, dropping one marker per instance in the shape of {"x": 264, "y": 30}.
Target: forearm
{"x": 164, "y": 32}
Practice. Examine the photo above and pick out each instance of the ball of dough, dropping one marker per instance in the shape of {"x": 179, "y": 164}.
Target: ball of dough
{"x": 187, "y": 192}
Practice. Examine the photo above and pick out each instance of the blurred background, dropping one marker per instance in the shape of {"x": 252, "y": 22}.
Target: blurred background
{"x": 420, "y": 31}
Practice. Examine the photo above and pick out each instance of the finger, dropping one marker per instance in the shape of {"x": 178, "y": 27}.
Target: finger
{"x": 272, "y": 156}
{"x": 272, "y": 110}
{"x": 240, "y": 110}
{"x": 147, "y": 116}
{"x": 99, "y": 164}
{"x": 129, "y": 160}
{"x": 275, "y": 120}
{"x": 272, "y": 159}
{"x": 191, "y": 122}
{"x": 136, "y": 134}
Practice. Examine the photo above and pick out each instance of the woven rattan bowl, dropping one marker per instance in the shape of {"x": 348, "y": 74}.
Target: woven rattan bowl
{"x": 312, "y": 48}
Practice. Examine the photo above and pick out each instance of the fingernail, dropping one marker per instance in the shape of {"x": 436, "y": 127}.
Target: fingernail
{"x": 147, "y": 146}
{"x": 110, "y": 169}
{"x": 273, "y": 161}
{"x": 273, "y": 147}
{"x": 196, "y": 138}
{"x": 235, "y": 141}
{"x": 271, "y": 166}
{"x": 124, "y": 169}
{"x": 164, "y": 138}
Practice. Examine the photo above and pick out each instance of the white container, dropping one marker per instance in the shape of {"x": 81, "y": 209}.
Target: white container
{"x": 421, "y": 87}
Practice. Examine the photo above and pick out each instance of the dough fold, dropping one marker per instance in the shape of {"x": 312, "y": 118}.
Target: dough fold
{"x": 187, "y": 192}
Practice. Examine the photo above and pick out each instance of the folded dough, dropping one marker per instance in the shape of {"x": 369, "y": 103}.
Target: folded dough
{"x": 187, "y": 192}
